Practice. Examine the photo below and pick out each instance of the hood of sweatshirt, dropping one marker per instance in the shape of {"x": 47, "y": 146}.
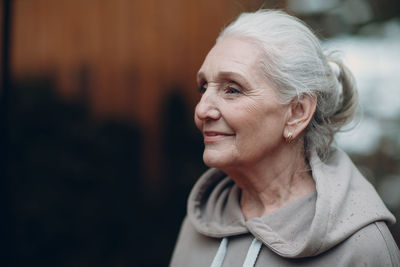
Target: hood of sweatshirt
{"x": 344, "y": 202}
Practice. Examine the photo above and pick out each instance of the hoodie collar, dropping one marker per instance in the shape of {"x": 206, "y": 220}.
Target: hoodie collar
{"x": 343, "y": 203}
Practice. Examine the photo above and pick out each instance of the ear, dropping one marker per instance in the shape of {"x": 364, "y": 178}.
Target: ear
{"x": 299, "y": 115}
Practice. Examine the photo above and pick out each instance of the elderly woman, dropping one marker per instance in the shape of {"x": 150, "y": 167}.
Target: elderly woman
{"x": 277, "y": 193}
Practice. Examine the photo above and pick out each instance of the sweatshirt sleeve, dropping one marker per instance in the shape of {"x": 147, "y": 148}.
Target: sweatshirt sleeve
{"x": 372, "y": 245}
{"x": 391, "y": 246}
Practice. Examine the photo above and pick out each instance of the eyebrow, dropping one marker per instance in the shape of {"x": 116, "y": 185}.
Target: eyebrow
{"x": 226, "y": 74}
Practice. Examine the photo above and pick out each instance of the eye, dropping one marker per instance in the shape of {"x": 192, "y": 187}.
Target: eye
{"x": 202, "y": 88}
{"x": 233, "y": 88}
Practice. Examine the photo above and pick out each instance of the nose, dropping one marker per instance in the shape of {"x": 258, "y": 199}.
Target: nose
{"x": 207, "y": 108}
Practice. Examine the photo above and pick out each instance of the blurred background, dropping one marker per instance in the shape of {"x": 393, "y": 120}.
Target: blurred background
{"x": 98, "y": 147}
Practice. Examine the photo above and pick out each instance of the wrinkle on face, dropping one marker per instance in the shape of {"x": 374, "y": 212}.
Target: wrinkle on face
{"x": 254, "y": 115}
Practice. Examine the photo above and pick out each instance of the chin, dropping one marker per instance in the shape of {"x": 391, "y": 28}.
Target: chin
{"x": 216, "y": 159}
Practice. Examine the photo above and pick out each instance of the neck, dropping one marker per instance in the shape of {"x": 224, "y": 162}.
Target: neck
{"x": 273, "y": 182}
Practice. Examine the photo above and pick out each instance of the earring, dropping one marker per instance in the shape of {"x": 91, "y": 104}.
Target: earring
{"x": 289, "y": 138}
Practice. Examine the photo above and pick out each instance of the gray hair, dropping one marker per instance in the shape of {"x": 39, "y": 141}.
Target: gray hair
{"x": 295, "y": 64}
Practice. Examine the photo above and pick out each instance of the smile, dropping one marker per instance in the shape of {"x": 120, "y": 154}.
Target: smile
{"x": 211, "y": 137}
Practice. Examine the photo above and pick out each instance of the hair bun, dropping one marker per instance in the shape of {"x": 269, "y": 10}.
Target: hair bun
{"x": 335, "y": 68}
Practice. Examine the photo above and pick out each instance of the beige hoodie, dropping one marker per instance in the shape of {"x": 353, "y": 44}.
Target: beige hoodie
{"x": 343, "y": 223}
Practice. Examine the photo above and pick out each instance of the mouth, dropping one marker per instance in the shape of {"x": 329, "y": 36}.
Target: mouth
{"x": 213, "y": 136}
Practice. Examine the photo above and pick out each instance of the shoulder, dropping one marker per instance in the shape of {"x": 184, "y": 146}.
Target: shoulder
{"x": 373, "y": 245}
{"x": 192, "y": 248}
{"x": 181, "y": 243}
{"x": 388, "y": 242}
{"x": 190, "y": 237}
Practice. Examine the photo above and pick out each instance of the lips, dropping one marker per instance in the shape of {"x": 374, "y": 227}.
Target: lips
{"x": 214, "y": 136}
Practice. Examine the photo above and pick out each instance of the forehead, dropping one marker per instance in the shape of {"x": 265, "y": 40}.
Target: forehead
{"x": 232, "y": 54}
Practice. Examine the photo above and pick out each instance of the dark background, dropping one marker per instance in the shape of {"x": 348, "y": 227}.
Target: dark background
{"x": 98, "y": 147}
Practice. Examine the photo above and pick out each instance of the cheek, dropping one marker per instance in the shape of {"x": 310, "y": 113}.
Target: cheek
{"x": 256, "y": 122}
{"x": 245, "y": 118}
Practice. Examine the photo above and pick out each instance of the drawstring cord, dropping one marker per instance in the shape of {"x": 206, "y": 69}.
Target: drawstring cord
{"x": 252, "y": 253}
{"x": 219, "y": 257}
{"x": 251, "y": 256}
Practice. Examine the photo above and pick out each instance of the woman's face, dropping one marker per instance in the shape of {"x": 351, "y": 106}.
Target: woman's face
{"x": 239, "y": 112}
